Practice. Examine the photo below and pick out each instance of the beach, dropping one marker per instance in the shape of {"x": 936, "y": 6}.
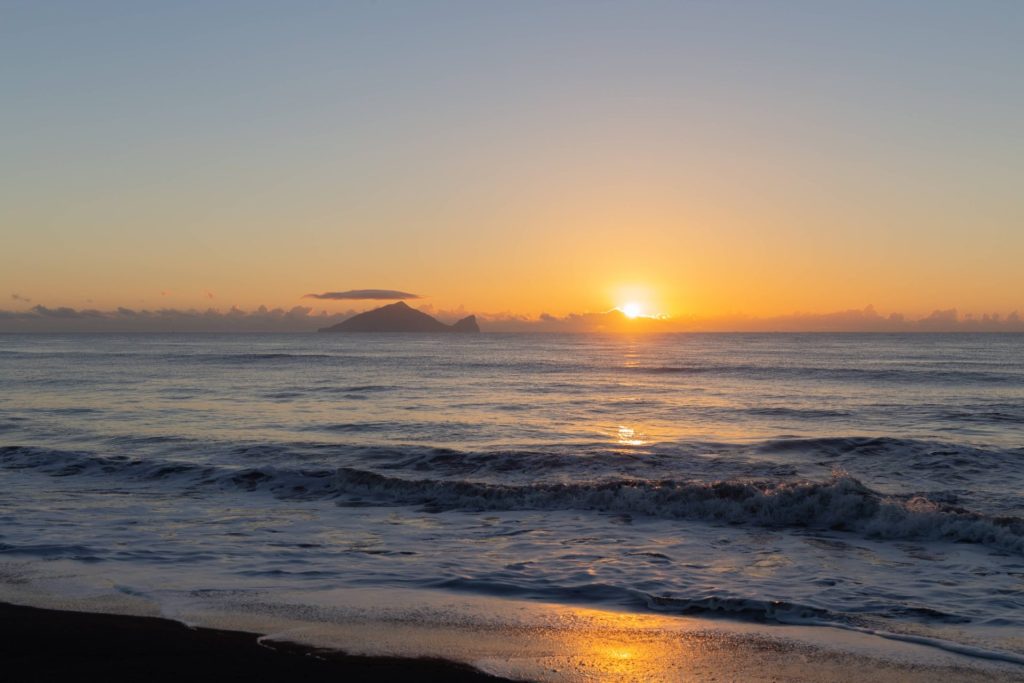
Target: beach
{"x": 39, "y": 644}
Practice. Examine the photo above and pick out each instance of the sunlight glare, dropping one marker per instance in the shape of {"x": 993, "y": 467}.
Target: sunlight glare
{"x": 632, "y": 309}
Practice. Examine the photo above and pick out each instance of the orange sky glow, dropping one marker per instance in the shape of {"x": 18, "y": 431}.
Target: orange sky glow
{"x": 518, "y": 163}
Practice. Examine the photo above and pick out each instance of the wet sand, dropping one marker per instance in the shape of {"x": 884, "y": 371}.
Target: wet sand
{"x": 44, "y": 644}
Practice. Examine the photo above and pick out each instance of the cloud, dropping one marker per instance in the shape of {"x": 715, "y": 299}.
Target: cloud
{"x": 855, "y": 320}
{"x": 61, "y": 312}
{"x": 940, "y": 319}
{"x": 364, "y": 295}
{"x": 19, "y": 297}
{"x": 121, "y": 320}
{"x": 304, "y": 319}
{"x": 613, "y": 320}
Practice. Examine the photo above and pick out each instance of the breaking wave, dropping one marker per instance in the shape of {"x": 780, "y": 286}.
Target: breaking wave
{"x": 840, "y": 503}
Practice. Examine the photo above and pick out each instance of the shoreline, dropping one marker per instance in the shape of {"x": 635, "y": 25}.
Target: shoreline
{"x": 42, "y": 644}
{"x": 47, "y": 644}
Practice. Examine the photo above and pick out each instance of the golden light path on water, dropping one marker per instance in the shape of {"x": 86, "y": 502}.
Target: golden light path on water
{"x": 627, "y": 436}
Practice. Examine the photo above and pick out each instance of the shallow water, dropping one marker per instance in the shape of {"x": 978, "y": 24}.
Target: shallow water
{"x": 863, "y": 481}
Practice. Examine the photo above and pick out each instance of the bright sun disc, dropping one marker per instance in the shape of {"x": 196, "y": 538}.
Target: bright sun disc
{"x": 632, "y": 309}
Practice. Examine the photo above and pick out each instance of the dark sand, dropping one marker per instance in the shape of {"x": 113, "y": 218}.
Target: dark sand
{"x": 49, "y": 645}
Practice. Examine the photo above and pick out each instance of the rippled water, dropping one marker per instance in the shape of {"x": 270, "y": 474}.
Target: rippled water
{"x": 866, "y": 481}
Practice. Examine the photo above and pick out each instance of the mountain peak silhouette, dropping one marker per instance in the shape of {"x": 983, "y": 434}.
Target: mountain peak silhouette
{"x": 400, "y": 317}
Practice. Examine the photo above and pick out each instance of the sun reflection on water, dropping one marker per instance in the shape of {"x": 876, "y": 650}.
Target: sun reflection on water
{"x": 620, "y": 647}
{"x": 627, "y": 436}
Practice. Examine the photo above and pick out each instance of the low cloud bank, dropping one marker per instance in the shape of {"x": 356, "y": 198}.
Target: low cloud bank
{"x": 856, "y": 320}
{"x": 40, "y": 318}
{"x": 43, "y": 319}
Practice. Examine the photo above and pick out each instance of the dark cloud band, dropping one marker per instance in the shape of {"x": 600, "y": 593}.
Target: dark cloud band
{"x": 365, "y": 295}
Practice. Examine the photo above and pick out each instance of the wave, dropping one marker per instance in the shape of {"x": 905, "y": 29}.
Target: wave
{"x": 841, "y": 503}
{"x": 445, "y": 429}
{"x": 247, "y": 358}
{"x": 986, "y": 416}
{"x": 901, "y": 375}
{"x": 785, "y": 612}
{"x": 806, "y": 413}
{"x": 706, "y": 603}
{"x": 360, "y": 391}
{"x": 884, "y": 446}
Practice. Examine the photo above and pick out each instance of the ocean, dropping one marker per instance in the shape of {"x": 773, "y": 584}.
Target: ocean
{"x": 872, "y": 483}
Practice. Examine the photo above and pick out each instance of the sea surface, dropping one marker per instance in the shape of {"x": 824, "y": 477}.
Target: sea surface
{"x": 866, "y": 482}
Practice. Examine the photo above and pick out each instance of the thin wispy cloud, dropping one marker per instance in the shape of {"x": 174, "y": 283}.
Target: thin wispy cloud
{"x": 364, "y": 295}
{"x": 19, "y": 297}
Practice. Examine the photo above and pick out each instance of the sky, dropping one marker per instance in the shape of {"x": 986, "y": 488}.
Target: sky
{"x": 704, "y": 160}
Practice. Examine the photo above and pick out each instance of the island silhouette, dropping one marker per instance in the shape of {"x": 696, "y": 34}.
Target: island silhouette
{"x": 400, "y": 317}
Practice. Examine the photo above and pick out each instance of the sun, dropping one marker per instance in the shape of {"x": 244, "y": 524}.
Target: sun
{"x": 632, "y": 309}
